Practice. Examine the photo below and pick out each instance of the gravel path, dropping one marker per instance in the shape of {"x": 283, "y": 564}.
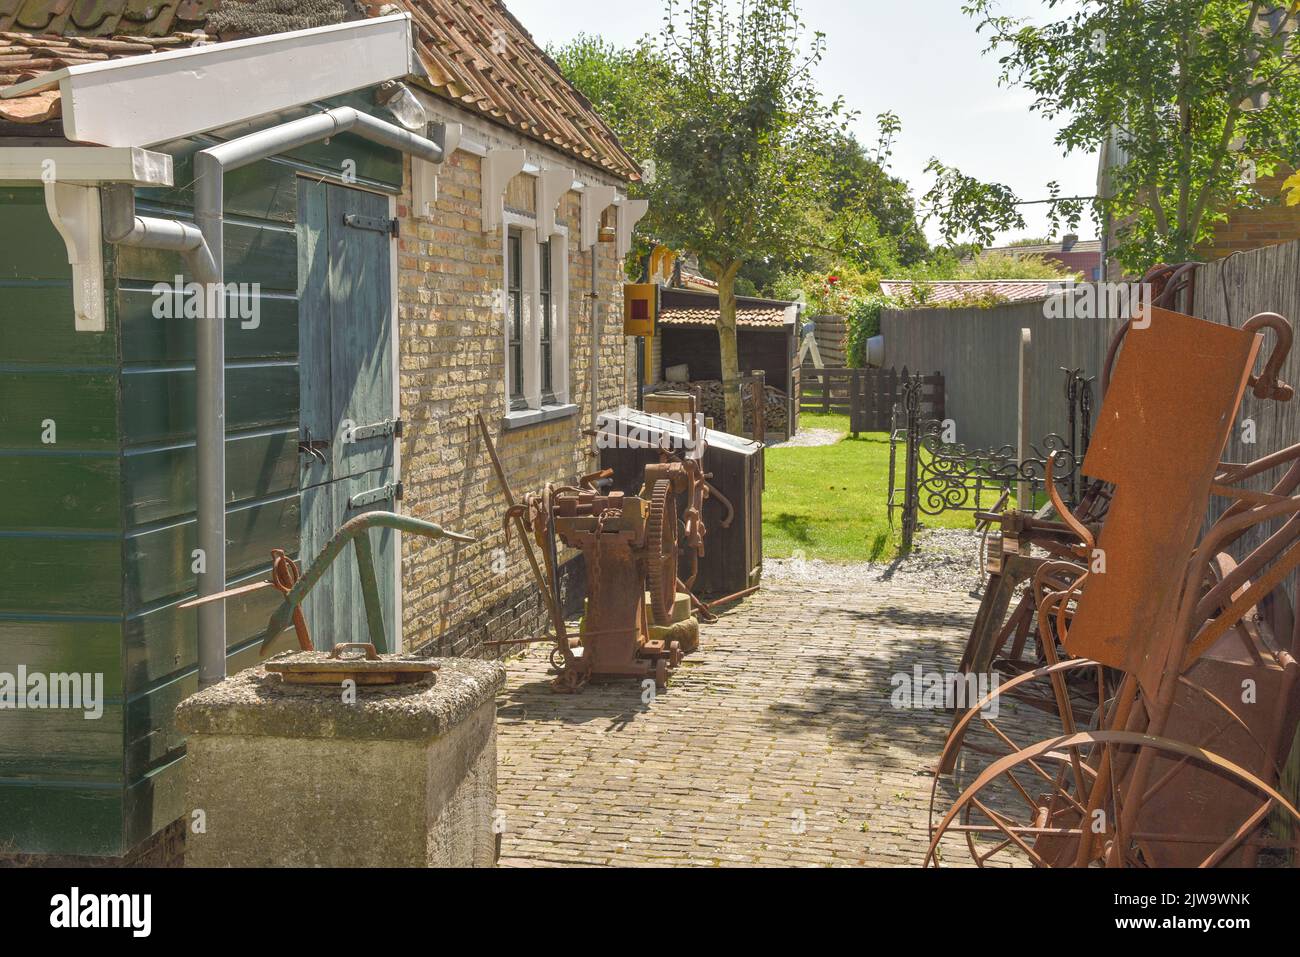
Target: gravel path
{"x": 945, "y": 558}
{"x": 807, "y": 438}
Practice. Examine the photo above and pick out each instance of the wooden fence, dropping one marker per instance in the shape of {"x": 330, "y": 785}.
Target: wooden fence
{"x": 977, "y": 349}
{"x": 830, "y": 332}
{"x": 867, "y": 396}
{"x": 979, "y": 353}
{"x": 1229, "y": 292}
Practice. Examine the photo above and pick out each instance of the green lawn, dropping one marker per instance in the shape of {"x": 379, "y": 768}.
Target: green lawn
{"x": 829, "y": 501}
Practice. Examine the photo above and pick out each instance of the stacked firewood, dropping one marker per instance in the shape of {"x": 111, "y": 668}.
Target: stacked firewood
{"x": 712, "y": 405}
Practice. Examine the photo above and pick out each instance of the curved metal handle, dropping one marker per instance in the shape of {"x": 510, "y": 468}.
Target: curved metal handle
{"x": 1061, "y": 509}
{"x": 313, "y": 448}
{"x": 354, "y": 530}
{"x": 366, "y": 646}
{"x": 1267, "y": 385}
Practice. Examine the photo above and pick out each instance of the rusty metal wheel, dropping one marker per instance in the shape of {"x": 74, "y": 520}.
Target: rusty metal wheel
{"x": 1085, "y": 826}
{"x": 983, "y": 736}
{"x": 661, "y": 551}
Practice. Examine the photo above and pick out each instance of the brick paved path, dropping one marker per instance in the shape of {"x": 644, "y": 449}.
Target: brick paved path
{"x": 781, "y": 723}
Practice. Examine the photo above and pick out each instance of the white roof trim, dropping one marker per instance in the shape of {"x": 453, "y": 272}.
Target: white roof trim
{"x": 145, "y": 100}
{"x": 85, "y": 165}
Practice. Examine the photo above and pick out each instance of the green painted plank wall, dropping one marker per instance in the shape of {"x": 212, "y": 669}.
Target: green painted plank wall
{"x": 95, "y": 539}
{"x": 60, "y": 542}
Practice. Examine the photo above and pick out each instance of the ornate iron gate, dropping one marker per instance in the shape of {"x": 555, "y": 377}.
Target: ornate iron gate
{"x": 941, "y": 476}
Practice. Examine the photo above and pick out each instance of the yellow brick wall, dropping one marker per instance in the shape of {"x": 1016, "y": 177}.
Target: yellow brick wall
{"x": 451, "y": 366}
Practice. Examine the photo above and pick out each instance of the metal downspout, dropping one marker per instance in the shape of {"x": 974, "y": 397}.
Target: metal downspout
{"x": 595, "y": 354}
{"x": 210, "y": 166}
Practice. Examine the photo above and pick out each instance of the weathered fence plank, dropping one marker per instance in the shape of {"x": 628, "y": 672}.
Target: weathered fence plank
{"x": 1230, "y": 292}
{"x": 978, "y": 351}
{"x": 867, "y": 396}
{"x": 829, "y": 331}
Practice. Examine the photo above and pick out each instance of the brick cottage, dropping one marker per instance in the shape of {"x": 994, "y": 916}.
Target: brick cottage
{"x": 421, "y": 221}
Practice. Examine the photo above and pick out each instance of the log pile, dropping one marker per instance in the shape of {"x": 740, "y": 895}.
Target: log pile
{"x": 711, "y": 404}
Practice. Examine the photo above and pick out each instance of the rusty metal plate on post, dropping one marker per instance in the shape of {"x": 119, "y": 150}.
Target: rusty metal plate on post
{"x": 1162, "y": 428}
{"x": 334, "y": 667}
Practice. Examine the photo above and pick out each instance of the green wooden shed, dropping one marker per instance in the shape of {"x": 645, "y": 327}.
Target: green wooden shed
{"x": 100, "y": 512}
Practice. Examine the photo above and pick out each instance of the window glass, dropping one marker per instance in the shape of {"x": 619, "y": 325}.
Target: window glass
{"x": 547, "y": 320}
{"x": 515, "y": 319}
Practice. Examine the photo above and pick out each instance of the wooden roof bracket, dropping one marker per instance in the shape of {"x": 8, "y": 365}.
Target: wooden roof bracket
{"x": 499, "y": 168}
{"x": 74, "y": 211}
{"x": 629, "y": 213}
{"x": 552, "y": 185}
{"x": 424, "y": 173}
{"x": 595, "y": 200}
{"x": 71, "y": 177}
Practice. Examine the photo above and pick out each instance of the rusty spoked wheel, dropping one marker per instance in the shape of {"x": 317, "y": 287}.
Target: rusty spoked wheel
{"x": 1085, "y": 827}
{"x": 1000, "y": 725}
{"x": 1054, "y": 699}
{"x": 661, "y": 551}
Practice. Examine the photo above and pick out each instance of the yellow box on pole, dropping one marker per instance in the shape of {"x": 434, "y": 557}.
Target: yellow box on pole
{"x": 640, "y": 308}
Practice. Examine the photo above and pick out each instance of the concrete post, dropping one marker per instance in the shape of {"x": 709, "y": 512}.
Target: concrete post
{"x": 283, "y": 775}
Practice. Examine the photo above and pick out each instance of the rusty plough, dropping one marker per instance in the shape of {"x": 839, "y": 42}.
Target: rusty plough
{"x": 1164, "y": 669}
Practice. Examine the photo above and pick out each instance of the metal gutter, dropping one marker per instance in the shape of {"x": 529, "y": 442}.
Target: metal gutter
{"x": 210, "y": 167}
{"x": 202, "y": 245}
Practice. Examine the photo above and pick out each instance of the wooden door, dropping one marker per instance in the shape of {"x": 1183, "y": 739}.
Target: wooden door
{"x": 348, "y": 412}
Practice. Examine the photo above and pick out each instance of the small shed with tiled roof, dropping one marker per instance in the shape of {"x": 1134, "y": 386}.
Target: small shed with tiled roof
{"x": 260, "y": 263}
{"x": 767, "y": 338}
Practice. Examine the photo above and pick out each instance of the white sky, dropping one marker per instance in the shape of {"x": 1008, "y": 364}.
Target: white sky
{"x": 923, "y": 61}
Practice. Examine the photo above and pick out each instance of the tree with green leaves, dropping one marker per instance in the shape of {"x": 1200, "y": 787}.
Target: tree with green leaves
{"x": 619, "y": 82}
{"x": 740, "y": 142}
{"x": 1189, "y": 100}
{"x": 864, "y": 191}
{"x": 866, "y": 221}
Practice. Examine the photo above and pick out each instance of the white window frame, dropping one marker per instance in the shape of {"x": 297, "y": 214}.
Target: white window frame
{"x": 537, "y": 410}
{"x": 559, "y": 242}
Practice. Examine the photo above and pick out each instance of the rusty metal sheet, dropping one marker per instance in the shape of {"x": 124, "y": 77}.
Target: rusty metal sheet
{"x": 1160, "y": 433}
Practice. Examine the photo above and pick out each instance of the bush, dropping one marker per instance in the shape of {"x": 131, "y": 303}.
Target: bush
{"x": 826, "y": 293}
{"x": 863, "y": 322}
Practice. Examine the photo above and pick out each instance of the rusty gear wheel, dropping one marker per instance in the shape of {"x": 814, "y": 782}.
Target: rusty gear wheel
{"x": 661, "y": 551}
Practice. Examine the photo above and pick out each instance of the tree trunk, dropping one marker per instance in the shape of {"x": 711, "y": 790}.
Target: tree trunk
{"x": 727, "y": 347}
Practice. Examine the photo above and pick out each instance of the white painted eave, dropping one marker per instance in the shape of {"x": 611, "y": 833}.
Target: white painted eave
{"x": 85, "y": 165}
{"x": 146, "y": 100}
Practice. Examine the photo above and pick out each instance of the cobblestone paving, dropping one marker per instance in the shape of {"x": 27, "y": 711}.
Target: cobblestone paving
{"x": 774, "y": 744}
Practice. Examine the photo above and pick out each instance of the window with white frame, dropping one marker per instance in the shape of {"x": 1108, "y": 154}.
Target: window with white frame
{"x": 536, "y": 318}
{"x": 515, "y": 320}
{"x": 546, "y": 340}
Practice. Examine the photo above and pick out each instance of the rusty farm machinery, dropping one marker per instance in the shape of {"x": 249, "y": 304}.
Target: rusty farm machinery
{"x": 1147, "y": 678}
{"x": 638, "y": 620}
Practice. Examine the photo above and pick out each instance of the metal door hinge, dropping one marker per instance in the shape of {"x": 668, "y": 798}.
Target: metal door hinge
{"x": 378, "y": 224}
{"x": 393, "y": 490}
